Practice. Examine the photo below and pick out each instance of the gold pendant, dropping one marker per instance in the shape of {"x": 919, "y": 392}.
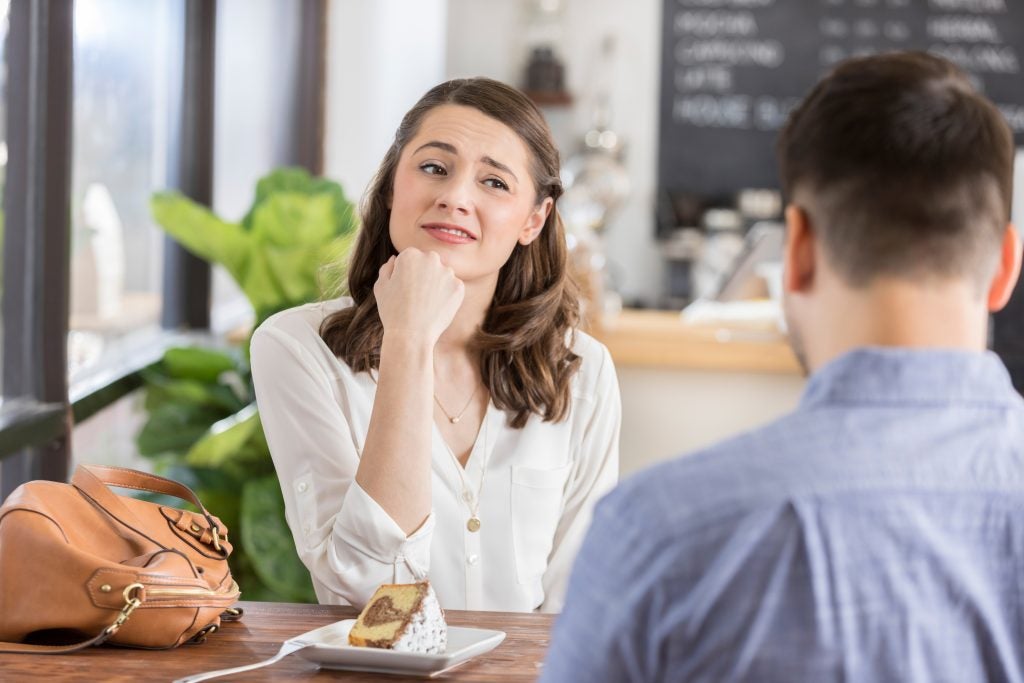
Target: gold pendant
{"x": 473, "y": 524}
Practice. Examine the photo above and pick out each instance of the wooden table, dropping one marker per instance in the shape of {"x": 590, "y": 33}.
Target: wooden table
{"x": 259, "y": 635}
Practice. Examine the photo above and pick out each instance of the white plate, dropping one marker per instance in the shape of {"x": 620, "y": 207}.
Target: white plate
{"x": 330, "y": 649}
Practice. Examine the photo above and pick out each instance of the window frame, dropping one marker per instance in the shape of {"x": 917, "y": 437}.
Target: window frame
{"x": 187, "y": 279}
{"x": 37, "y": 201}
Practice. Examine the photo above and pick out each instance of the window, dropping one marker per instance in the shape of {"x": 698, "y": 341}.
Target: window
{"x": 127, "y": 58}
{"x": 123, "y": 107}
{"x": 257, "y": 59}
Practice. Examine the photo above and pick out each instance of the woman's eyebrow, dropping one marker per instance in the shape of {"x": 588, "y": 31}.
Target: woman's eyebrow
{"x": 451, "y": 149}
{"x": 444, "y": 146}
{"x": 500, "y": 166}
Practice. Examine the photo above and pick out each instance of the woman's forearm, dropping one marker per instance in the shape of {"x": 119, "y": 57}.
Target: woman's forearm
{"x": 394, "y": 468}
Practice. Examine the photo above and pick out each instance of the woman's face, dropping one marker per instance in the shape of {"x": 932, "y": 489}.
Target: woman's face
{"x": 463, "y": 189}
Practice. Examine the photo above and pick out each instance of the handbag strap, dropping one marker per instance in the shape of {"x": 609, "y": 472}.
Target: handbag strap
{"x": 131, "y": 603}
{"x": 94, "y": 480}
{"x": 27, "y": 648}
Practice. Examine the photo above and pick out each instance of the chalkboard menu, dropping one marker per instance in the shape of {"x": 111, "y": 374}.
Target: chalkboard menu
{"x": 732, "y": 70}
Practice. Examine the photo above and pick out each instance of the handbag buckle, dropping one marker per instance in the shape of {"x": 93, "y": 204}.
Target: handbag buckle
{"x": 212, "y": 536}
{"x": 200, "y": 637}
{"x": 131, "y": 602}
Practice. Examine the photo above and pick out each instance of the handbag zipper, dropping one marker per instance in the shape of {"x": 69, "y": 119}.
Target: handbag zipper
{"x": 193, "y": 591}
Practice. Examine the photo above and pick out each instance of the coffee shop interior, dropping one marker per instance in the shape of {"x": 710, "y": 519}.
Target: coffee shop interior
{"x": 143, "y": 142}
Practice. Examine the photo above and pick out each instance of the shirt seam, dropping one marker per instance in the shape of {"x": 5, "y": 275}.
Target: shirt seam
{"x": 304, "y": 355}
{"x": 907, "y": 403}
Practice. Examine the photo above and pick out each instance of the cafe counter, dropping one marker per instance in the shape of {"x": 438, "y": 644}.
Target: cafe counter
{"x": 663, "y": 339}
{"x": 687, "y": 385}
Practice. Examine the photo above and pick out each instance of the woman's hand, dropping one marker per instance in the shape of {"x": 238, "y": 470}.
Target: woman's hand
{"x": 417, "y": 295}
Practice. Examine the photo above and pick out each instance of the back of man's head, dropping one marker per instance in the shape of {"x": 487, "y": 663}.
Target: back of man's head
{"x": 904, "y": 169}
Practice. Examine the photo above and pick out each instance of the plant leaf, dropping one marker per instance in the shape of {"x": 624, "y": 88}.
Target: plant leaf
{"x": 193, "y": 362}
{"x": 224, "y": 439}
{"x": 197, "y": 229}
{"x": 174, "y": 427}
{"x": 298, "y": 181}
{"x": 161, "y": 389}
{"x": 287, "y": 250}
{"x": 289, "y": 219}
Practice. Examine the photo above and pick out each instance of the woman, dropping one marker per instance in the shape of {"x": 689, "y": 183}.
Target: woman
{"x": 447, "y": 419}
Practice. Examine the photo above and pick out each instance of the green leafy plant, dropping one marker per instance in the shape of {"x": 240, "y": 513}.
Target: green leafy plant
{"x": 203, "y": 427}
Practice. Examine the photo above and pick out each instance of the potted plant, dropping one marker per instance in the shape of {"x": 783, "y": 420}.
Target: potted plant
{"x": 203, "y": 426}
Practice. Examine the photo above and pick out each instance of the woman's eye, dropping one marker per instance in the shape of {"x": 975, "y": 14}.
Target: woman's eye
{"x": 432, "y": 169}
{"x": 496, "y": 183}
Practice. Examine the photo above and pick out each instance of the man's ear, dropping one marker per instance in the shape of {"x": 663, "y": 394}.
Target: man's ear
{"x": 1007, "y": 271}
{"x": 799, "y": 254}
{"x": 535, "y": 223}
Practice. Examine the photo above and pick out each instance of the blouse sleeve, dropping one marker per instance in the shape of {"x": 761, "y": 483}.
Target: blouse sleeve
{"x": 595, "y": 472}
{"x": 347, "y": 541}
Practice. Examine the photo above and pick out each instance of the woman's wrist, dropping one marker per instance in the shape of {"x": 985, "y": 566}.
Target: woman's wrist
{"x": 409, "y": 345}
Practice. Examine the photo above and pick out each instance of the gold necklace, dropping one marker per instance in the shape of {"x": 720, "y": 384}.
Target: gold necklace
{"x": 472, "y": 502}
{"x": 454, "y": 419}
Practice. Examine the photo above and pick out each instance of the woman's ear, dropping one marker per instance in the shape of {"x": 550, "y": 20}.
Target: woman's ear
{"x": 535, "y": 223}
{"x": 799, "y": 253}
{"x": 1008, "y": 270}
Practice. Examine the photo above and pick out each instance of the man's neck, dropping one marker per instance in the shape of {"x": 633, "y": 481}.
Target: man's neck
{"x": 898, "y": 313}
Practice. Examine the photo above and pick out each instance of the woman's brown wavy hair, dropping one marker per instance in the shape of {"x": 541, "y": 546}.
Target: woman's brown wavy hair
{"x": 524, "y": 343}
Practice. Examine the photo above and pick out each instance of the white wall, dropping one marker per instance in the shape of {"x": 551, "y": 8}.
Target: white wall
{"x": 668, "y": 412}
{"x": 487, "y": 38}
{"x": 382, "y": 56}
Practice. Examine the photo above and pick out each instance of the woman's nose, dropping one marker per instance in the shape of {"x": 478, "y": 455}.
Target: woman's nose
{"x": 455, "y": 196}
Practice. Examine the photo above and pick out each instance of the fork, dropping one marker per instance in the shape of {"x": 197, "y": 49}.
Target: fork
{"x": 288, "y": 647}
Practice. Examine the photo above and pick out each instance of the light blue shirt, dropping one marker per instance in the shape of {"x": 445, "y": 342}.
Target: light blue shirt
{"x": 874, "y": 534}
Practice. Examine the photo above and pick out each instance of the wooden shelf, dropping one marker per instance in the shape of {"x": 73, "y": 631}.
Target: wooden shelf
{"x": 550, "y": 98}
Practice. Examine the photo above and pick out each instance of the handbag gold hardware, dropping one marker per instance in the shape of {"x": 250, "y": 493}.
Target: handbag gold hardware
{"x": 130, "y": 605}
{"x": 186, "y": 590}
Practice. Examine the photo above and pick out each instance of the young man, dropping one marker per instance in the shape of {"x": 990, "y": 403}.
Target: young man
{"x": 877, "y": 532}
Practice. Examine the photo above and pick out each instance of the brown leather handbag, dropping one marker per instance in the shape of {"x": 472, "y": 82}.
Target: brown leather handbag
{"x": 80, "y": 563}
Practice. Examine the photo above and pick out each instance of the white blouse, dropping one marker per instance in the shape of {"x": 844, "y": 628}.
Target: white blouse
{"x": 536, "y": 495}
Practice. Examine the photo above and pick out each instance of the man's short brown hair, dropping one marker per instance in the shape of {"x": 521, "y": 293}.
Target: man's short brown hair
{"x": 904, "y": 168}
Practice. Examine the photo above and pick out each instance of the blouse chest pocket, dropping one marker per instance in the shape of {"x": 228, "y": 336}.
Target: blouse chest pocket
{"x": 536, "y": 506}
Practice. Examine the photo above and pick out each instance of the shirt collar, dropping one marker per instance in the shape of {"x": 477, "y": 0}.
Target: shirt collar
{"x": 910, "y": 376}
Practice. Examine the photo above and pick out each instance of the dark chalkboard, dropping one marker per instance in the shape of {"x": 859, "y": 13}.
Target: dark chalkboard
{"x": 733, "y": 69}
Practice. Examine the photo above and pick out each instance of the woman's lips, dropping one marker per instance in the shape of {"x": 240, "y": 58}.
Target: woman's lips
{"x": 449, "y": 234}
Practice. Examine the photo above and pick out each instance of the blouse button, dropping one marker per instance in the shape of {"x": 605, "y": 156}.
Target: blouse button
{"x": 302, "y": 487}
{"x": 472, "y": 560}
